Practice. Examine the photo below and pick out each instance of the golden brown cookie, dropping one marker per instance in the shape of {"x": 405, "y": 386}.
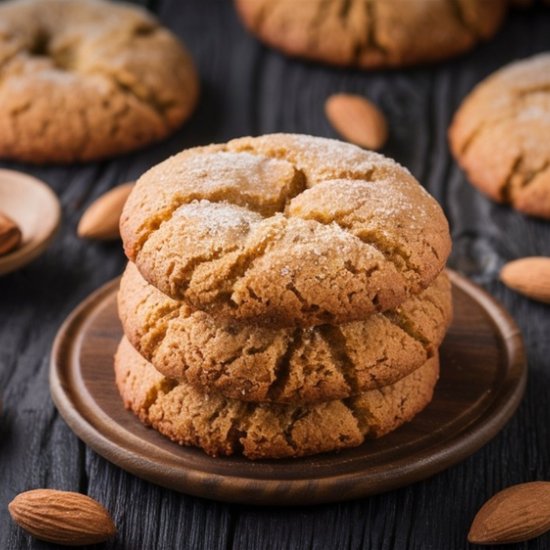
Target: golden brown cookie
{"x": 501, "y": 135}
{"x": 118, "y": 78}
{"x": 287, "y": 365}
{"x": 372, "y": 33}
{"x": 223, "y": 426}
{"x": 285, "y": 230}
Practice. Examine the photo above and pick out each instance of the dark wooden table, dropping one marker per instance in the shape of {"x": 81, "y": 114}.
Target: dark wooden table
{"x": 248, "y": 89}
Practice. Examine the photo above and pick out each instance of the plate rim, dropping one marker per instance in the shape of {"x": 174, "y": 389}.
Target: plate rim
{"x": 282, "y": 491}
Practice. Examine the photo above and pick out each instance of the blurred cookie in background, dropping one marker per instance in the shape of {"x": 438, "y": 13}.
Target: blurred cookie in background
{"x": 501, "y": 135}
{"x": 86, "y": 80}
{"x": 376, "y": 33}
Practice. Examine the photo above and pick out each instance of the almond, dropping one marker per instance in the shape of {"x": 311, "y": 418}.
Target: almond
{"x": 10, "y": 234}
{"x": 62, "y": 517}
{"x": 517, "y": 514}
{"x": 529, "y": 276}
{"x": 358, "y": 120}
{"x": 100, "y": 221}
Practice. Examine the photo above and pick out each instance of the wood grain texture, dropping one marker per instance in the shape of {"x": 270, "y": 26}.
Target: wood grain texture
{"x": 248, "y": 89}
{"x": 483, "y": 374}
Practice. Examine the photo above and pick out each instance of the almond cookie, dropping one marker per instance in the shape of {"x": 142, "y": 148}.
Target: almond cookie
{"x": 286, "y": 365}
{"x": 285, "y": 230}
{"x": 501, "y": 135}
{"x": 223, "y": 426}
{"x": 372, "y": 33}
{"x": 119, "y": 79}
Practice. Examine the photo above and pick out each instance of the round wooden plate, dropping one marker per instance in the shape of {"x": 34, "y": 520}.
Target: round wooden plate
{"x": 483, "y": 374}
{"x": 35, "y": 207}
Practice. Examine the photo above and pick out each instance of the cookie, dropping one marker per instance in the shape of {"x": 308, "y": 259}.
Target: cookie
{"x": 223, "y": 426}
{"x": 501, "y": 135}
{"x": 120, "y": 80}
{"x": 285, "y": 230}
{"x": 287, "y": 365}
{"x": 372, "y": 33}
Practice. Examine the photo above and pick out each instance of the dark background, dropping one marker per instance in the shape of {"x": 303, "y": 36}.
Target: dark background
{"x": 248, "y": 89}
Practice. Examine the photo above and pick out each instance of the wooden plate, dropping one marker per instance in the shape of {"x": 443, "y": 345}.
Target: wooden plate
{"x": 35, "y": 208}
{"x": 483, "y": 374}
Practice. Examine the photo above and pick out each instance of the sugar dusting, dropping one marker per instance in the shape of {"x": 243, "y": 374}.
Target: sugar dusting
{"x": 330, "y": 155}
{"x": 385, "y": 199}
{"x": 217, "y": 217}
{"x": 223, "y": 169}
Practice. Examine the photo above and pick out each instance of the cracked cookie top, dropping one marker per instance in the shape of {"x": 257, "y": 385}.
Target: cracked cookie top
{"x": 501, "y": 135}
{"x": 372, "y": 33}
{"x": 223, "y": 426}
{"x": 286, "y": 365}
{"x": 285, "y": 230}
{"x": 119, "y": 79}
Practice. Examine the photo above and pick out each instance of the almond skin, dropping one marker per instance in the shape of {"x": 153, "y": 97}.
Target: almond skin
{"x": 10, "y": 234}
{"x": 529, "y": 276}
{"x": 357, "y": 120}
{"x": 100, "y": 221}
{"x": 62, "y": 517}
{"x": 517, "y": 514}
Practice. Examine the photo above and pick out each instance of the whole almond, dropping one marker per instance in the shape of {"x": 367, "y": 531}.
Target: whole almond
{"x": 10, "y": 234}
{"x": 517, "y": 514}
{"x": 529, "y": 276}
{"x": 100, "y": 221}
{"x": 62, "y": 517}
{"x": 357, "y": 119}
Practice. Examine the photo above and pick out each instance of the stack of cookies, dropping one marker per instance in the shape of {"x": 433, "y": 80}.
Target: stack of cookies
{"x": 285, "y": 296}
